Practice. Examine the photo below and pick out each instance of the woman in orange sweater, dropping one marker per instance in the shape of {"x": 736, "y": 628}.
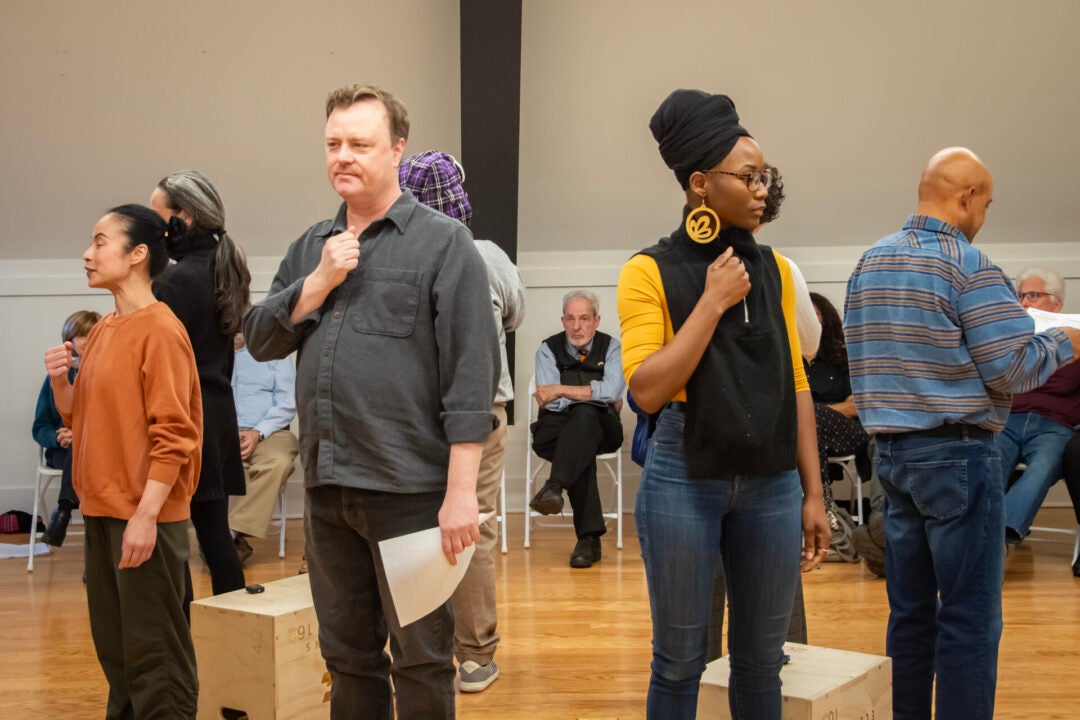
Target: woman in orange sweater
{"x": 136, "y": 417}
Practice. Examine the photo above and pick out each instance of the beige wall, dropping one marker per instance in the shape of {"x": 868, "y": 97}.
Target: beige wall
{"x": 98, "y": 100}
{"x": 849, "y": 98}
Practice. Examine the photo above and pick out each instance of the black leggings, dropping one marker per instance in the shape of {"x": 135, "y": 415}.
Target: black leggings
{"x": 211, "y": 521}
{"x": 1070, "y": 463}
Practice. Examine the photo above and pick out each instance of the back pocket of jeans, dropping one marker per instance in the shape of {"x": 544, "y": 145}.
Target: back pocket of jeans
{"x": 939, "y": 488}
{"x": 386, "y": 302}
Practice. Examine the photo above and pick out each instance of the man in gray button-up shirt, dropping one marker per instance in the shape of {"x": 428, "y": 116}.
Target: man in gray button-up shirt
{"x": 387, "y": 306}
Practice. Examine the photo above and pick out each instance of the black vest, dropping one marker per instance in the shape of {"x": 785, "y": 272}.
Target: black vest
{"x": 740, "y": 414}
{"x": 574, "y": 371}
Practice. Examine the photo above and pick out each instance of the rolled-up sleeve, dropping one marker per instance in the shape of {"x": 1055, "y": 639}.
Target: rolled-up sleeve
{"x": 610, "y": 389}
{"x": 467, "y": 341}
{"x": 269, "y": 331}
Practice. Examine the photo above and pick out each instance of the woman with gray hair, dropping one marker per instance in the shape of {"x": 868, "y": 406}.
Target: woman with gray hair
{"x": 207, "y": 288}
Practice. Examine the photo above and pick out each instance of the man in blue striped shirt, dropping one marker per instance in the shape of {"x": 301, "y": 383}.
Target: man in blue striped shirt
{"x": 937, "y": 344}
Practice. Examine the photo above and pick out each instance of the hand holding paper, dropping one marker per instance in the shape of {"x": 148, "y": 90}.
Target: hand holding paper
{"x": 419, "y": 575}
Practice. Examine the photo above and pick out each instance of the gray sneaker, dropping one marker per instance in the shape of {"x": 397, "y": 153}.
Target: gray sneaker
{"x": 475, "y": 677}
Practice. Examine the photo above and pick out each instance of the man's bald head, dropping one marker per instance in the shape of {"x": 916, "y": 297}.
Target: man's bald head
{"x": 956, "y": 187}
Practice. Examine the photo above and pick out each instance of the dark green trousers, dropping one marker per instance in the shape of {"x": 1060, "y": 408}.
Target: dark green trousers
{"x": 142, "y": 638}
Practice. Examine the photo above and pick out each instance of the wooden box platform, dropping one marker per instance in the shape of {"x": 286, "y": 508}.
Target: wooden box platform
{"x": 260, "y": 654}
{"x": 819, "y": 684}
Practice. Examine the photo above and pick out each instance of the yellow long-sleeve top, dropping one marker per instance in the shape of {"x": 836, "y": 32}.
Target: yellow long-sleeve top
{"x": 646, "y": 322}
{"x": 137, "y": 415}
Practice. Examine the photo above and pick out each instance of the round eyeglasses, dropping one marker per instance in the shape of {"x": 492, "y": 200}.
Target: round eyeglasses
{"x": 762, "y": 177}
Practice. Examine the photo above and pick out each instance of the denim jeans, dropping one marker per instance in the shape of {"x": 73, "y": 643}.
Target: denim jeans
{"x": 1039, "y": 443}
{"x": 945, "y": 525}
{"x": 352, "y": 601}
{"x": 754, "y": 524}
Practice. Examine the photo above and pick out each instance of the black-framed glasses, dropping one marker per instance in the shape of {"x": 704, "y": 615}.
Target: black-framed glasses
{"x": 763, "y": 177}
{"x": 1033, "y": 296}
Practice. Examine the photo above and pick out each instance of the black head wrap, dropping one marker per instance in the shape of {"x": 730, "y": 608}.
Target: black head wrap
{"x": 695, "y": 131}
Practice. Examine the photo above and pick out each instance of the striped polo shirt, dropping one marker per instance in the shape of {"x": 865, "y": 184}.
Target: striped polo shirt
{"x": 935, "y": 334}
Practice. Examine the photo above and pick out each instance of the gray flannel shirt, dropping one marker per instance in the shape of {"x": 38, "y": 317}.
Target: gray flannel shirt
{"x": 400, "y": 361}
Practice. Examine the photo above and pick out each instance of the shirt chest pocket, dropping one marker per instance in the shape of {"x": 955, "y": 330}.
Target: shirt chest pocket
{"x": 386, "y": 302}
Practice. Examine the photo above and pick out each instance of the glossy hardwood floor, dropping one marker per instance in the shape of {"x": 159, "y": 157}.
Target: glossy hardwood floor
{"x": 575, "y": 643}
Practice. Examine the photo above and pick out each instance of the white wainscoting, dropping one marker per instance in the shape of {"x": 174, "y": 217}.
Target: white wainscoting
{"x": 36, "y": 296}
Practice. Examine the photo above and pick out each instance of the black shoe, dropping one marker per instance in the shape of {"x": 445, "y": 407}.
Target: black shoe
{"x": 586, "y": 552}
{"x": 876, "y": 567}
{"x": 243, "y": 548}
{"x": 1076, "y": 567}
{"x": 1012, "y": 537}
{"x": 58, "y": 524}
{"x": 549, "y": 501}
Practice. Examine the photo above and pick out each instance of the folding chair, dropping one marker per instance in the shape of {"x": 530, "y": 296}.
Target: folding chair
{"x": 851, "y": 474}
{"x": 45, "y": 476}
{"x": 610, "y": 463}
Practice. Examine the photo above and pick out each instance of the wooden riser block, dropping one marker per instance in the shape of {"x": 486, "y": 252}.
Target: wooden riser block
{"x": 260, "y": 653}
{"x": 818, "y": 684}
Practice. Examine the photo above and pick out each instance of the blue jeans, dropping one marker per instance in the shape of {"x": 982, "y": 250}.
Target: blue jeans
{"x": 754, "y": 524}
{"x": 1039, "y": 443}
{"x": 945, "y": 525}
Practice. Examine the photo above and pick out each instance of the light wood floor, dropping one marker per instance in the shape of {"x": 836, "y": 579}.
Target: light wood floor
{"x": 575, "y": 643}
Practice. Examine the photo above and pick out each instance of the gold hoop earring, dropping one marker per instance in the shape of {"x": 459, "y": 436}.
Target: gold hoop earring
{"x": 703, "y": 224}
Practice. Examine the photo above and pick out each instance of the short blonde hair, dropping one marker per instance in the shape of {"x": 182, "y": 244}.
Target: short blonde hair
{"x": 396, "y": 112}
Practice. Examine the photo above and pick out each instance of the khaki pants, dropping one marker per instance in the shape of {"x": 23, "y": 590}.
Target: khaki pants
{"x": 475, "y": 637}
{"x": 267, "y": 469}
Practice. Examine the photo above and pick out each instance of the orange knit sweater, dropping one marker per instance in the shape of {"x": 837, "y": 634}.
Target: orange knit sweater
{"x": 137, "y": 415}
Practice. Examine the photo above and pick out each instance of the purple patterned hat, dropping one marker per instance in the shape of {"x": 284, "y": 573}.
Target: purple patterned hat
{"x": 435, "y": 179}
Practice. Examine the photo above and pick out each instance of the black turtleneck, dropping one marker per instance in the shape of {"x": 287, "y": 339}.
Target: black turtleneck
{"x": 189, "y": 288}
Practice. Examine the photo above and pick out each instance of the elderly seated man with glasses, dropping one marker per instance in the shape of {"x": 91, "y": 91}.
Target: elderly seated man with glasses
{"x": 1042, "y": 420}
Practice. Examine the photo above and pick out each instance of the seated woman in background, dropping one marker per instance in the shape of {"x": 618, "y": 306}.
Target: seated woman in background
{"x": 839, "y": 431}
{"x": 136, "y": 417}
{"x": 51, "y": 433}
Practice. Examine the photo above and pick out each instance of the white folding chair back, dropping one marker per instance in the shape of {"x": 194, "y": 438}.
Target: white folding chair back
{"x": 282, "y": 516}
{"x": 851, "y": 474}
{"x": 44, "y": 478}
{"x": 501, "y": 518}
{"x": 610, "y": 463}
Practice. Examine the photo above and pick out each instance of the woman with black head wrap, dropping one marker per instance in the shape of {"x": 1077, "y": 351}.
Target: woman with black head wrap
{"x": 710, "y": 343}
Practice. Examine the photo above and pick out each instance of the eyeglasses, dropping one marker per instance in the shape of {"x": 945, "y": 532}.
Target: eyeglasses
{"x": 752, "y": 179}
{"x": 1033, "y": 296}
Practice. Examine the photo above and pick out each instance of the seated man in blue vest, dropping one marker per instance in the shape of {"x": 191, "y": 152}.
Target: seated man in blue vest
{"x": 579, "y": 388}
{"x": 1042, "y": 420}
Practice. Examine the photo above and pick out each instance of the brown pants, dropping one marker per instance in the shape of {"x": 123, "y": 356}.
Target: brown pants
{"x": 475, "y": 637}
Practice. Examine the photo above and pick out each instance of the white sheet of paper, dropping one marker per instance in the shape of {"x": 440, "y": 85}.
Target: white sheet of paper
{"x": 8, "y": 550}
{"x": 1046, "y": 320}
{"x": 419, "y": 575}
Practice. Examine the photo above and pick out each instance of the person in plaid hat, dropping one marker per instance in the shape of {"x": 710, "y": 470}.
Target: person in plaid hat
{"x": 436, "y": 178}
